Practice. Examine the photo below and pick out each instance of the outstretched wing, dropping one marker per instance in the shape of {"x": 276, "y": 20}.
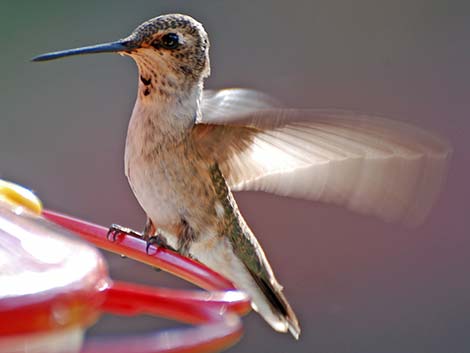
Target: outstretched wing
{"x": 228, "y": 104}
{"x": 367, "y": 163}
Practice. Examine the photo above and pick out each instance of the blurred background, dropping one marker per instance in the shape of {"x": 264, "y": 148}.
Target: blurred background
{"x": 357, "y": 284}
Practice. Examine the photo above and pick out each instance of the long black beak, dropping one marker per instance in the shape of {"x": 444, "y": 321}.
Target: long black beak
{"x": 113, "y": 47}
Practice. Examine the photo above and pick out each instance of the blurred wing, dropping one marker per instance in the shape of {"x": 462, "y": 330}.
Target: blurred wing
{"x": 233, "y": 102}
{"x": 369, "y": 164}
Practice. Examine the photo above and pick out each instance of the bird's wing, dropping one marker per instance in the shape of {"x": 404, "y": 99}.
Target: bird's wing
{"x": 232, "y": 102}
{"x": 367, "y": 163}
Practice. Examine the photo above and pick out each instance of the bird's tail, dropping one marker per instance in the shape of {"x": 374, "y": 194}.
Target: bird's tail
{"x": 278, "y": 313}
{"x": 265, "y": 293}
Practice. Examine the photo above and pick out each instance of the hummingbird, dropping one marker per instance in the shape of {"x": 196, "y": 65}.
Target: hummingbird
{"x": 188, "y": 149}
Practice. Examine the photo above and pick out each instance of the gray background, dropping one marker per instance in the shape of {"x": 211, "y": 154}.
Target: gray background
{"x": 358, "y": 285}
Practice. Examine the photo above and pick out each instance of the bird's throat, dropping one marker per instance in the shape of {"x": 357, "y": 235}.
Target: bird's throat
{"x": 163, "y": 119}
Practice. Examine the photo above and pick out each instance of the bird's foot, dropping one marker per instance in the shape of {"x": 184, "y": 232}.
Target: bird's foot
{"x": 159, "y": 240}
{"x": 116, "y": 229}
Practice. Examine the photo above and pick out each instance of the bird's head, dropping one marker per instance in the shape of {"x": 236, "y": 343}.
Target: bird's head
{"x": 171, "y": 51}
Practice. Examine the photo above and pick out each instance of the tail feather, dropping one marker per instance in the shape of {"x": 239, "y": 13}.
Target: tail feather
{"x": 279, "y": 305}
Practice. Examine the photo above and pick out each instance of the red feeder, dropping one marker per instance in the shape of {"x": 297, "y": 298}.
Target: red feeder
{"x": 53, "y": 286}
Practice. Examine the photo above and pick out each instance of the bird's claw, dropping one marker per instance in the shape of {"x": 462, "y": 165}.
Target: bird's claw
{"x": 158, "y": 240}
{"x": 116, "y": 229}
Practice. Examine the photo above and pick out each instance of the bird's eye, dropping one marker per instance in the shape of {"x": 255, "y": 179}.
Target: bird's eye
{"x": 170, "y": 41}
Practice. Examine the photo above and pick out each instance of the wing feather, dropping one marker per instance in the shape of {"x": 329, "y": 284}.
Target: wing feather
{"x": 364, "y": 162}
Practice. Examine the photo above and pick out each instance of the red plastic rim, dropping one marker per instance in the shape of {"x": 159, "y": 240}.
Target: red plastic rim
{"x": 215, "y": 313}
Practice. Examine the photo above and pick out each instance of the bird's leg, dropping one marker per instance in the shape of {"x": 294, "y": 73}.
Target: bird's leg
{"x": 153, "y": 236}
{"x": 149, "y": 230}
{"x": 149, "y": 234}
{"x": 116, "y": 229}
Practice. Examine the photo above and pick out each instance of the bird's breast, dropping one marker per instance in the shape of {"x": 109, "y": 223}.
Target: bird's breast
{"x": 171, "y": 183}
